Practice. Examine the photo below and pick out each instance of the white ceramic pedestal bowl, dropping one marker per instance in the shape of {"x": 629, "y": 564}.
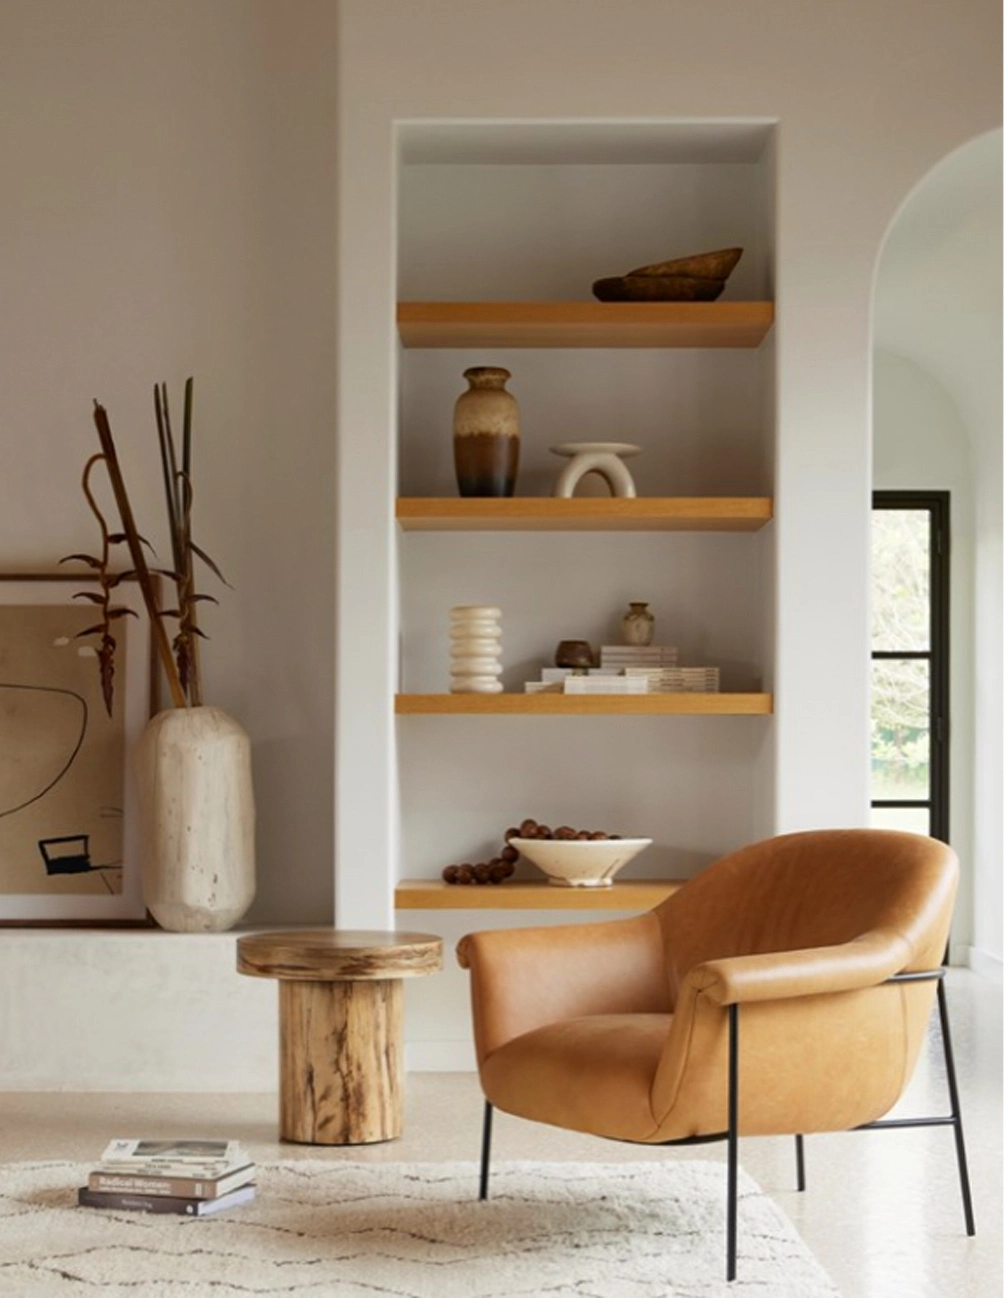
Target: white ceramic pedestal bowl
{"x": 573, "y": 863}
{"x": 604, "y": 458}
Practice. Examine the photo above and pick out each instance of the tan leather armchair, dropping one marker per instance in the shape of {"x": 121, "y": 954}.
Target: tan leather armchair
{"x": 784, "y": 990}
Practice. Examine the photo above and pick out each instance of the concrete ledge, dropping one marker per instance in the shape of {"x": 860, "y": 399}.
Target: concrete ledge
{"x": 132, "y": 1010}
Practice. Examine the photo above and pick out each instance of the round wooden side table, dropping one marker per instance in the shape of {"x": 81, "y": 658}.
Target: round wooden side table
{"x": 341, "y": 1049}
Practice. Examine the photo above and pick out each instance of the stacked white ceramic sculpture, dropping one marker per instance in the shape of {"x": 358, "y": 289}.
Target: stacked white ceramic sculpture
{"x": 475, "y": 649}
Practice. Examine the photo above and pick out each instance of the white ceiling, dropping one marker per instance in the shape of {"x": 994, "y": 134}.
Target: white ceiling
{"x": 938, "y": 291}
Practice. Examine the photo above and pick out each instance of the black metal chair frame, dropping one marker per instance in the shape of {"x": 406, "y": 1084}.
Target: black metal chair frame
{"x": 731, "y": 1136}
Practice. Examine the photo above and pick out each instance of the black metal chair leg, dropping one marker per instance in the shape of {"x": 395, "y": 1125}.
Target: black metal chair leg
{"x": 800, "y": 1161}
{"x": 486, "y": 1150}
{"x": 733, "y": 1145}
{"x": 953, "y": 1093}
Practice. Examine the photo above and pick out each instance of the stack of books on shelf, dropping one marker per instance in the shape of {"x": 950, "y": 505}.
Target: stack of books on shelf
{"x": 622, "y": 656}
{"x": 677, "y": 680}
{"x": 605, "y": 684}
{"x": 581, "y": 680}
{"x": 629, "y": 669}
{"x": 193, "y": 1178}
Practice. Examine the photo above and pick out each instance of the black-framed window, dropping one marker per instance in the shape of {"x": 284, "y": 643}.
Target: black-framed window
{"x": 909, "y": 672}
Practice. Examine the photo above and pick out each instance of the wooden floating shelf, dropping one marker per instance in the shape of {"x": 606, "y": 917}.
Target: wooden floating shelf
{"x": 587, "y": 705}
{"x": 434, "y": 894}
{"x": 584, "y": 324}
{"x": 585, "y": 514}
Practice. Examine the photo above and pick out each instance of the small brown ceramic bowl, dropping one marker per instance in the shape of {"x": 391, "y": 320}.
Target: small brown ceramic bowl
{"x": 574, "y": 653}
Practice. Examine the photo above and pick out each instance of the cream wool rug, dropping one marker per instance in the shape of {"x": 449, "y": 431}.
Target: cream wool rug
{"x": 411, "y": 1230}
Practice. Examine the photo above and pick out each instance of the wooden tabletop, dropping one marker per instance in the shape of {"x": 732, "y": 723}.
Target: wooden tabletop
{"x": 336, "y": 955}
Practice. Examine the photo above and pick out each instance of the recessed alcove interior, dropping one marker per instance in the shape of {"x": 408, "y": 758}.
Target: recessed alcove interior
{"x": 537, "y": 211}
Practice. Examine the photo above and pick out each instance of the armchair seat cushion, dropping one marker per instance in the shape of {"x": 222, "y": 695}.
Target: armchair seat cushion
{"x": 591, "y": 1074}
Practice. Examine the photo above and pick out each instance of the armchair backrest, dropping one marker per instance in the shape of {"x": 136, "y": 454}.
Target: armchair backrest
{"x": 817, "y": 888}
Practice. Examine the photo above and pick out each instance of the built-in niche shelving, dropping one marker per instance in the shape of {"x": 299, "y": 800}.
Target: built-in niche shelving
{"x": 497, "y": 249}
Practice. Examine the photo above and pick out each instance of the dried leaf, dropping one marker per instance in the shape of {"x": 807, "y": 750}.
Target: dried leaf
{"x": 120, "y": 538}
{"x": 91, "y": 630}
{"x": 206, "y": 560}
{"x": 121, "y": 612}
{"x": 91, "y": 595}
{"x": 89, "y": 559}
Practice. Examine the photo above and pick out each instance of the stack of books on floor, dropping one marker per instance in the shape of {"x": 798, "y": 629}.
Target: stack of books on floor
{"x": 193, "y": 1178}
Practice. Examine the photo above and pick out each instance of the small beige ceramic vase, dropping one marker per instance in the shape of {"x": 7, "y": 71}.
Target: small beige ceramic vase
{"x": 638, "y": 624}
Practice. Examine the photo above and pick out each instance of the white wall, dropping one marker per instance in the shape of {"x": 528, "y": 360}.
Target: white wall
{"x": 921, "y": 443}
{"x": 856, "y": 130}
{"x": 169, "y": 209}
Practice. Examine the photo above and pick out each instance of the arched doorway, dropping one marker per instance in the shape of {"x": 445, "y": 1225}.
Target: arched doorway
{"x": 937, "y": 427}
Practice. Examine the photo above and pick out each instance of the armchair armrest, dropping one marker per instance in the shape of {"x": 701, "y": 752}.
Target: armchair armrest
{"x": 864, "y": 962}
{"x": 525, "y": 978}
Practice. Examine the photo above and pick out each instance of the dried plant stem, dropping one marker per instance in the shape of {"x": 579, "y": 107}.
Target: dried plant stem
{"x": 195, "y": 686}
{"x": 178, "y": 498}
{"x": 136, "y": 554}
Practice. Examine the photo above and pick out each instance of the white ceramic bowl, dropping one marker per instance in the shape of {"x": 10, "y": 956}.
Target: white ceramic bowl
{"x": 574, "y": 863}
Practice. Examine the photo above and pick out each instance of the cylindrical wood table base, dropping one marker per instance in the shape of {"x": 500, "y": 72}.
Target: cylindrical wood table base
{"x": 341, "y": 1061}
{"x": 341, "y": 1053}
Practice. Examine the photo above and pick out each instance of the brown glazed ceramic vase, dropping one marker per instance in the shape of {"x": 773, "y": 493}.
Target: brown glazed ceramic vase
{"x": 486, "y": 434}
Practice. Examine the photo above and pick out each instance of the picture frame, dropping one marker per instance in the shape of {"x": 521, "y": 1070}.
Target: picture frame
{"x": 69, "y": 828}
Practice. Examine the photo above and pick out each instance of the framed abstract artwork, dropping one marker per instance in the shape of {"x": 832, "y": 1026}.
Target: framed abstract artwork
{"x": 68, "y": 824}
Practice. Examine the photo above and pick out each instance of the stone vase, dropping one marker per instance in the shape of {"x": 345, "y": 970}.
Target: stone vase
{"x": 638, "y": 624}
{"x": 193, "y": 768}
{"x": 486, "y": 434}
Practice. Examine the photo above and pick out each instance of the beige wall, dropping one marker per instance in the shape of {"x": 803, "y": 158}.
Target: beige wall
{"x": 867, "y": 98}
{"x": 168, "y": 208}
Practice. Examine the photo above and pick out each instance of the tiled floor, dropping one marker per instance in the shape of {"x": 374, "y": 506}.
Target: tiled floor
{"x": 881, "y": 1212}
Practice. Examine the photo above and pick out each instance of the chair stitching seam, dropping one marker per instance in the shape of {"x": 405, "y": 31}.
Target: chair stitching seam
{"x": 686, "y": 1054}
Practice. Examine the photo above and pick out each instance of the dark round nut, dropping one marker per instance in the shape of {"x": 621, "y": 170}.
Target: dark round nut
{"x": 511, "y": 832}
{"x": 544, "y": 831}
{"x": 508, "y": 869}
{"x": 450, "y": 873}
{"x": 481, "y": 872}
{"x": 509, "y": 853}
{"x": 465, "y": 874}
{"x": 497, "y": 873}
{"x": 582, "y": 835}
{"x": 598, "y": 835}
{"x": 564, "y": 832}
{"x": 528, "y": 829}
{"x": 612, "y": 836}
